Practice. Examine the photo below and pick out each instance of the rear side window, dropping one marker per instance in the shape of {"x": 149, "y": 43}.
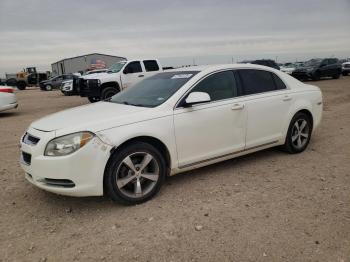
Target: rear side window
{"x": 256, "y": 81}
{"x": 278, "y": 82}
{"x": 219, "y": 86}
{"x": 151, "y": 65}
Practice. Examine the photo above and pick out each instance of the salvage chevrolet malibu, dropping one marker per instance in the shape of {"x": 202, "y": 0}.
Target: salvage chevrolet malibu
{"x": 169, "y": 123}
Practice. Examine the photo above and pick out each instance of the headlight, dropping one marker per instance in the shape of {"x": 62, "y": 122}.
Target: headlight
{"x": 68, "y": 144}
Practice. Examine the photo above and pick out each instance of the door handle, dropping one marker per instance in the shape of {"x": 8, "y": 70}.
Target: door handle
{"x": 287, "y": 98}
{"x": 237, "y": 107}
{"x": 141, "y": 75}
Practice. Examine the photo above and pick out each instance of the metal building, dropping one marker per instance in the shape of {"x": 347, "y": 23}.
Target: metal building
{"x": 84, "y": 63}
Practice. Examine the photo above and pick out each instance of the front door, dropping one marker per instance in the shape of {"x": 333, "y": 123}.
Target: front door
{"x": 214, "y": 129}
{"x": 132, "y": 74}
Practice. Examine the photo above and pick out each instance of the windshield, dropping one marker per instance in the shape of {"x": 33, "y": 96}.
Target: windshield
{"x": 155, "y": 90}
{"x": 313, "y": 62}
{"x": 115, "y": 68}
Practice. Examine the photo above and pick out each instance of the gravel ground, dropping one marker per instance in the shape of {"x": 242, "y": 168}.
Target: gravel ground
{"x": 267, "y": 206}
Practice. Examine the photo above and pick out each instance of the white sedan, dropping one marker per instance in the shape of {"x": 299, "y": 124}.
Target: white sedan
{"x": 169, "y": 123}
{"x": 7, "y": 98}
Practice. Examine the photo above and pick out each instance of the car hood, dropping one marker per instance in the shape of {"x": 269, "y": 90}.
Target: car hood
{"x": 93, "y": 117}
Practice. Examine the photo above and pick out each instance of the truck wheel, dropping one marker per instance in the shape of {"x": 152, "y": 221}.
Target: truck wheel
{"x": 93, "y": 99}
{"x": 21, "y": 85}
{"x": 345, "y": 73}
{"x": 108, "y": 92}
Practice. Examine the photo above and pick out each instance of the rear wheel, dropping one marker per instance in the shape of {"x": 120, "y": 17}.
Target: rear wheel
{"x": 21, "y": 85}
{"x": 299, "y": 134}
{"x": 108, "y": 92}
{"x": 345, "y": 73}
{"x": 135, "y": 174}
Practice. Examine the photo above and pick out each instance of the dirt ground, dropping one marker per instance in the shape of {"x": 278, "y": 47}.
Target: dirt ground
{"x": 268, "y": 206}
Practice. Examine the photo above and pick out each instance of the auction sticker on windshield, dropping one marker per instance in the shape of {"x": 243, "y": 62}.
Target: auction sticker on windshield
{"x": 181, "y": 76}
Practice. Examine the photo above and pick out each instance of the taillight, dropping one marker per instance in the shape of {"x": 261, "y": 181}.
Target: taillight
{"x": 6, "y": 90}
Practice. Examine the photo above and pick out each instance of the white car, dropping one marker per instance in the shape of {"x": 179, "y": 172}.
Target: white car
{"x": 345, "y": 68}
{"x": 169, "y": 123}
{"x": 288, "y": 69}
{"x": 7, "y": 98}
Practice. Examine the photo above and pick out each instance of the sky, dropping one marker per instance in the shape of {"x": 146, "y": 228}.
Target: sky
{"x": 41, "y": 32}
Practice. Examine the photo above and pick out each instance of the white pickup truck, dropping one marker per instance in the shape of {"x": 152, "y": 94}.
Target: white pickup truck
{"x": 121, "y": 75}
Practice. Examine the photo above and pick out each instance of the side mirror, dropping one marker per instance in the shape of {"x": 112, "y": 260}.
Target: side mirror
{"x": 197, "y": 98}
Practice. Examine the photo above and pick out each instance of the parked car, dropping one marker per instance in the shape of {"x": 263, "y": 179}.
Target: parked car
{"x": 264, "y": 62}
{"x": 171, "y": 122}
{"x": 316, "y": 68}
{"x": 54, "y": 82}
{"x": 288, "y": 68}
{"x": 7, "y": 98}
{"x": 346, "y": 68}
{"x": 121, "y": 75}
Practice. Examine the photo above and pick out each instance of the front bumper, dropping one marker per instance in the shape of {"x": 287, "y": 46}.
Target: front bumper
{"x": 302, "y": 74}
{"x": 78, "y": 174}
{"x": 89, "y": 87}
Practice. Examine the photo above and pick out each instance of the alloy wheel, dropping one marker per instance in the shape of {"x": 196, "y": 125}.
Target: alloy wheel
{"x": 300, "y": 133}
{"x": 137, "y": 174}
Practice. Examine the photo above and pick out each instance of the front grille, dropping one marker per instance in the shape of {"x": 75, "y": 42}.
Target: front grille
{"x": 89, "y": 87}
{"x": 27, "y": 158}
{"x": 30, "y": 140}
{"x": 59, "y": 182}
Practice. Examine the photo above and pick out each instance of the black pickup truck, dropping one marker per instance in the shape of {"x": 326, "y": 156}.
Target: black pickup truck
{"x": 316, "y": 68}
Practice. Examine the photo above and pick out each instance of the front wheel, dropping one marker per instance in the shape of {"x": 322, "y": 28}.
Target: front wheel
{"x": 336, "y": 76}
{"x": 316, "y": 76}
{"x": 93, "y": 99}
{"x": 299, "y": 134}
{"x": 345, "y": 73}
{"x": 21, "y": 85}
{"x": 48, "y": 87}
{"x": 108, "y": 92}
{"x": 135, "y": 174}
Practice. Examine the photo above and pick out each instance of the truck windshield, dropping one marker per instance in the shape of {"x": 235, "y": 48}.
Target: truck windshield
{"x": 115, "y": 68}
{"x": 155, "y": 90}
{"x": 313, "y": 62}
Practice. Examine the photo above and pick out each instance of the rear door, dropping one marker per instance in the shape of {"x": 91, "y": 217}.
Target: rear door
{"x": 132, "y": 74}
{"x": 267, "y": 104}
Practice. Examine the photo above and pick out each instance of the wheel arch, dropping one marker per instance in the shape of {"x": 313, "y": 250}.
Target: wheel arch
{"x": 306, "y": 109}
{"x": 110, "y": 84}
{"x": 157, "y": 143}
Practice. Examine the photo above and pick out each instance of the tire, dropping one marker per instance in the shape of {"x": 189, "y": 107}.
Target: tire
{"x": 21, "y": 85}
{"x": 345, "y": 73}
{"x": 93, "y": 99}
{"x": 316, "y": 76}
{"x": 48, "y": 87}
{"x": 336, "y": 76}
{"x": 297, "y": 141}
{"x": 128, "y": 187}
{"x": 108, "y": 92}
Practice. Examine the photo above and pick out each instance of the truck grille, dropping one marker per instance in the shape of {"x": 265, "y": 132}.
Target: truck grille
{"x": 89, "y": 87}
{"x": 30, "y": 140}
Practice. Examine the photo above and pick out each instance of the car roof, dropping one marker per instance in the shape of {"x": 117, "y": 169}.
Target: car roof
{"x": 204, "y": 68}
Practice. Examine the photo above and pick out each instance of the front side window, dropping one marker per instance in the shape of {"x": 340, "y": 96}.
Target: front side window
{"x": 154, "y": 90}
{"x": 218, "y": 86}
{"x": 151, "y": 65}
{"x": 133, "y": 67}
